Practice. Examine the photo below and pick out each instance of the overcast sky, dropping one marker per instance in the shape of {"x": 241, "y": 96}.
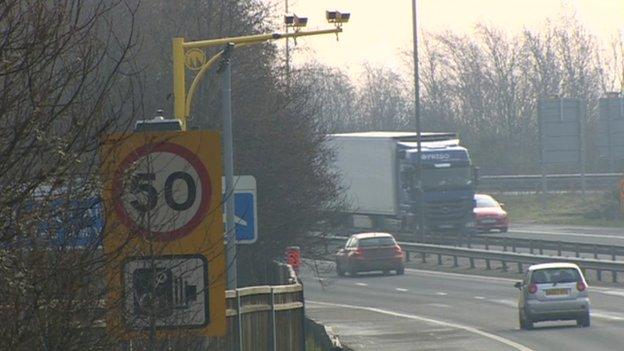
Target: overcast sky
{"x": 380, "y": 30}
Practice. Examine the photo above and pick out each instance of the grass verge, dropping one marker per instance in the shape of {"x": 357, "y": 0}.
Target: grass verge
{"x": 595, "y": 209}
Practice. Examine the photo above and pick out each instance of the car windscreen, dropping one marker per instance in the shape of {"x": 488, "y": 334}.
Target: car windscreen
{"x": 375, "y": 242}
{"x": 485, "y": 201}
{"x": 555, "y": 275}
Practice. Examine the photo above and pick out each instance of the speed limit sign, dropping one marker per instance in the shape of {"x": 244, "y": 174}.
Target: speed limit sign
{"x": 164, "y": 211}
{"x": 162, "y": 191}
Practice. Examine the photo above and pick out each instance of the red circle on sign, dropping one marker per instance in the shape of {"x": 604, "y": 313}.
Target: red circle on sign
{"x": 198, "y": 166}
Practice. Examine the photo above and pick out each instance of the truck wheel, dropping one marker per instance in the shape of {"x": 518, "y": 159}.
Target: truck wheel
{"x": 339, "y": 270}
{"x": 353, "y": 272}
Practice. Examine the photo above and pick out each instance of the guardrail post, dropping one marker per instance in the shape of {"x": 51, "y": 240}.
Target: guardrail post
{"x": 504, "y": 268}
{"x": 455, "y": 261}
{"x": 439, "y": 259}
{"x": 599, "y": 274}
{"x": 558, "y": 248}
{"x": 273, "y": 324}
{"x": 424, "y": 257}
{"x": 595, "y": 251}
{"x": 407, "y": 256}
{"x": 531, "y": 246}
{"x": 487, "y": 243}
{"x": 519, "y": 267}
{"x": 239, "y": 315}
{"x": 613, "y": 253}
{"x": 487, "y": 264}
{"x": 614, "y": 274}
{"x": 505, "y": 244}
{"x": 513, "y": 245}
{"x": 577, "y": 249}
{"x": 541, "y": 249}
{"x": 472, "y": 265}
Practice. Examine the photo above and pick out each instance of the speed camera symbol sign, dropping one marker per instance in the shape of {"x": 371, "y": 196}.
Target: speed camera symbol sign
{"x": 164, "y": 191}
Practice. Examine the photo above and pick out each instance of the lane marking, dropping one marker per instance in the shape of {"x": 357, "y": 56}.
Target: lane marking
{"x": 479, "y": 297}
{"x": 606, "y": 315}
{"x": 361, "y": 284}
{"x": 439, "y": 305}
{"x": 459, "y": 275}
{"x": 518, "y": 231}
{"x": 469, "y": 329}
{"x": 607, "y": 291}
{"x": 401, "y": 289}
{"x": 439, "y": 293}
{"x": 505, "y": 302}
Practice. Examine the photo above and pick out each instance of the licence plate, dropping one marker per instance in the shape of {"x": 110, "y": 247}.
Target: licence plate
{"x": 557, "y": 292}
{"x": 488, "y": 221}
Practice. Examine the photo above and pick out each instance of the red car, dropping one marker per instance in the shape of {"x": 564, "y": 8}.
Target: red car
{"x": 489, "y": 214}
{"x": 367, "y": 252}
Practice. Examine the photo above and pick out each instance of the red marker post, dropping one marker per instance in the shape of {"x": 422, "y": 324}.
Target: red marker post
{"x": 293, "y": 257}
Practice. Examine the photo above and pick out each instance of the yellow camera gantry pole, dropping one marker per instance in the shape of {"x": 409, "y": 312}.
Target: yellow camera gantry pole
{"x": 182, "y": 100}
{"x": 191, "y": 54}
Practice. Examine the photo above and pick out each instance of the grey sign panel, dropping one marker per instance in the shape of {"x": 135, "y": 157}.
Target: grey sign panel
{"x": 561, "y": 128}
{"x": 610, "y": 138}
{"x": 173, "y": 290}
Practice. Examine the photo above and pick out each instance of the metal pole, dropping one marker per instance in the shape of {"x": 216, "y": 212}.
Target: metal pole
{"x": 420, "y": 207}
{"x": 287, "y": 47}
{"x": 179, "y": 90}
{"x": 228, "y": 150}
{"x": 541, "y": 150}
{"x": 582, "y": 111}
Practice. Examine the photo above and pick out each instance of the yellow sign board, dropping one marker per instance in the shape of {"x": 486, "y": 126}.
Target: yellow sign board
{"x": 164, "y": 233}
{"x": 194, "y": 59}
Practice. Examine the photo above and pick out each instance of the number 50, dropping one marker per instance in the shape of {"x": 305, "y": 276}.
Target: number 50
{"x": 142, "y": 184}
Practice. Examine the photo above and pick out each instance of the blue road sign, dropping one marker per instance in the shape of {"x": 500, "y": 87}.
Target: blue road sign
{"x": 76, "y": 223}
{"x": 245, "y": 217}
{"x": 245, "y": 209}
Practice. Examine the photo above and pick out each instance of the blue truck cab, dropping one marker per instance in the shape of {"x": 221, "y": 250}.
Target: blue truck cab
{"x": 447, "y": 185}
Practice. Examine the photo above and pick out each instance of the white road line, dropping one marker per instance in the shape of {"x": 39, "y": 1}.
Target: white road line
{"x": 438, "y": 305}
{"x": 505, "y": 302}
{"x": 439, "y": 293}
{"x": 606, "y": 315}
{"x": 469, "y": 329}
{"x": 519, "y": 231}
{"x": 607, "y": 291}
{"x": 361, "y": 284}
{"x": 479, "y": 297}
{"x": 401, "y": 289}
{"x": 459, "y": 275}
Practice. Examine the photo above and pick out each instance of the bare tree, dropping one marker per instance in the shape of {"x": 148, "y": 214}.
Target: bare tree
{"x": 334, "y": 101}
{"x": 65, "y": 84}
{"x": 382, "y": 100}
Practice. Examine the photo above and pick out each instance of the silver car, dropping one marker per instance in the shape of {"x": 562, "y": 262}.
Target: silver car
{"x": 553, "y": 291}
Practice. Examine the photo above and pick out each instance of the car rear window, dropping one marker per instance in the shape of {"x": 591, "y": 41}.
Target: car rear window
{"x": 486, "y": 201}
{"x": 555, "y": 275}
{"x": 381, "y": 241}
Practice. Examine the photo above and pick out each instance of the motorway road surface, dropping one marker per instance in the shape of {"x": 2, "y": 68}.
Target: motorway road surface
{"x": 425, "y": 310}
